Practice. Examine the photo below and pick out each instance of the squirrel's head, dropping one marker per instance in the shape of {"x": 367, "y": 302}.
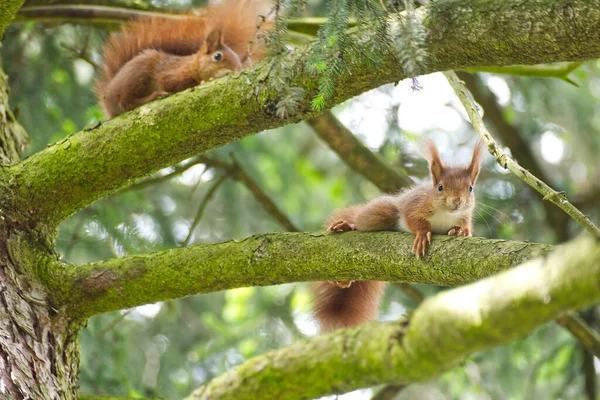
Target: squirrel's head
{"x": 216, "y": 58}
{"x": 453, "y": 186}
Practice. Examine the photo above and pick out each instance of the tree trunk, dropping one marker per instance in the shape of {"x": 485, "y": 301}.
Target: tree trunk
{"x": 39, "y": 352}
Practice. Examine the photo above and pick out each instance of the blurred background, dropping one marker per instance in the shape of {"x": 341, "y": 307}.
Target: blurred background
{"x": 169, "y": 348}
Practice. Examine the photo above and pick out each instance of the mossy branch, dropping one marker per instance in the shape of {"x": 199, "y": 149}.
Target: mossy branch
{"x": 272, "y": 259}
{"x": 54, "y": 183}
{"x": 558, "y": 198}
{"x": 8, "y": 10}
{"x": 510, "y": 135}
{"x": 437, "y": 337}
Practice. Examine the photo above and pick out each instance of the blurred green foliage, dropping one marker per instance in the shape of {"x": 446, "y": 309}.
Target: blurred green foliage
{"x": 170, "y": 348}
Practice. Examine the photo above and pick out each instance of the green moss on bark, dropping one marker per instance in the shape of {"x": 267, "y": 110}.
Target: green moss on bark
{"x": 441, "y": 332}
{"x": 278, "y": 258}
{"x": 8, "y": 9}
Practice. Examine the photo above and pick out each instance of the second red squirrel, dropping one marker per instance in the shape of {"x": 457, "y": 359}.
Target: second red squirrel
{"x": 444, "y": 206}
{"x": 153, "y": 57}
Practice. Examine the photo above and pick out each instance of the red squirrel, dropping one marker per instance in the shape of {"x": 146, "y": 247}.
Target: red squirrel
{"x": 444, "y": 206}
{"x": 152, "y": 57}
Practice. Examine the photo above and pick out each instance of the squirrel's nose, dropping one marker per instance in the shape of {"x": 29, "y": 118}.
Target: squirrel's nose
{"x": 456, "y": 201}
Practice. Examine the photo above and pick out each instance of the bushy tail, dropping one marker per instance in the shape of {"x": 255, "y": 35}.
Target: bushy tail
{"x": 336, "y": 308}
{"x": 237, "y": 20}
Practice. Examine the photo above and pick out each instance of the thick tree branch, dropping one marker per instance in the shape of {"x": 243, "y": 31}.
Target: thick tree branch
{"x": 8, "y": 9}
{"x": 272, "y": 259}
{"x": 88, "y": 165}
{"x": 356, "y": 155}
{"x": 558, "y": 198}
{"x": 445, "y": 329}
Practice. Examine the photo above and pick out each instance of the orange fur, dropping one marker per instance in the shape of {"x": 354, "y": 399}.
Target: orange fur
{"x": 339, "y": 308}
{"x": 155, "y": 56}
{"x": 421, "y": 210}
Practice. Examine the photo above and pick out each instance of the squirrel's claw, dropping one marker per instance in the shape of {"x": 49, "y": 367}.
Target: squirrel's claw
{"x": 459, "y": 231}
{"x": 420, "y": 244}
{"x": 341, "y": 226}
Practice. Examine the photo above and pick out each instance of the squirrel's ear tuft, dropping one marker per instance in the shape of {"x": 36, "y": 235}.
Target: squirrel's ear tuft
{"x": 213, "y": 42}
{"x": 475, "y": 165}
{"x": 430, "y": 152}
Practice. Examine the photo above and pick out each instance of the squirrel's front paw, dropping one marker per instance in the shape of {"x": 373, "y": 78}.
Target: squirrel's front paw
{"x": 420, "y": 243}
{"x": 459, "y": 231}
{"x": 341, "y": 226}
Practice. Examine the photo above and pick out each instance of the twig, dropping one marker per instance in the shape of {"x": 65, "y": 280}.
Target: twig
{"x": 560, "y": 70}
{"x": 81, "y": 53}
{"x": 177, "y": 170}
{"x": 505, "y": 161}
{"x": 209, "y": 195}
{"x": 116, "y": 321}
{"x": 520, "y": 149}
{"x": 236, "y": 171}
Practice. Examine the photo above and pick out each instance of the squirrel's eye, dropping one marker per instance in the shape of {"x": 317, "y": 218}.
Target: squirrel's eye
{"x": 217, "y": 56}
{"x": 440, "y": 187}
{"x": 470, "y": 188}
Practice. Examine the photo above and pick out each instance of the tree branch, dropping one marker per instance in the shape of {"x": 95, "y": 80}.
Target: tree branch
{"x": 356, "y": 155}
{"x": 520, "y": 149}
{"x": 560, "y": 71}
{"x": 272, "y": 259}
{"x": 442, "y": 332}
{"x": 209, "y": 195}
{"x": 558, "y": 198}
{"x": 86, "y": 166}
{"x": 86, "y": 14}
{"x": 582, "y": 331}
{"x": 8, "y": 10}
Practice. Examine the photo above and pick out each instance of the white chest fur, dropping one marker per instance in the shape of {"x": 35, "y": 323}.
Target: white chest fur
{"x": 442, "y": 221}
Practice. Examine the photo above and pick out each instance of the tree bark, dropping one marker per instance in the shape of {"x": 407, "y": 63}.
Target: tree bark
{"x": 272, "y": 259}
{"x": 39, "y": 352}
{"x": 437, "y": 337}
